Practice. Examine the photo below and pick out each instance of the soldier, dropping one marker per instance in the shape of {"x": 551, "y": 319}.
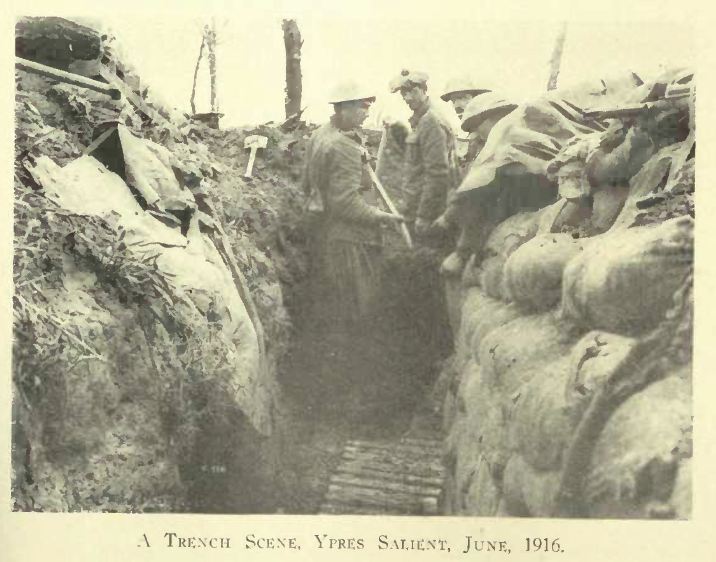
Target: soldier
{"x": 460, "y": 92}
{"x": 346, "y": 243}
{"x": 431, "y": 160}
{"x": 479, "y": 117}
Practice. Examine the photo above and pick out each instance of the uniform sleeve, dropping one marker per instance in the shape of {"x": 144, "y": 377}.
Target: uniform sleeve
{"x": 452, "y": 210}
{"x": 344, "y": 182}
{"x": 436, "y": 184}
{"x": 411, "y": 188}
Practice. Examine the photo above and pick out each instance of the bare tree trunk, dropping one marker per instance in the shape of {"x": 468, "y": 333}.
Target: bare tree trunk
{"x": 556, "y": 60}
{"x": 293, "y": 43}
{"x": 211, "y": 43}
{"x": 196, "y": 72}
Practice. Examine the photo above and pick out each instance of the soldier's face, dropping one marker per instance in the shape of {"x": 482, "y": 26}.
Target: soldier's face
{"x": 414, "y": 96}
{"x": 460, "y": 101}
{"x": 354, "y": 113}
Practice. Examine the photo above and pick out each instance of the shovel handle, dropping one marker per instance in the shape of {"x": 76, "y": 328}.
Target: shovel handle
{"x": 250, "y": 165}
{"x": 389, "y": 203}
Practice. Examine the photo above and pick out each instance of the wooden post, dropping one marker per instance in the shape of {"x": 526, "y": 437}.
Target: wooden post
{"x": 556, "y": 60}
{"x": 211, "y": 44}
{"x": 67, "y": 77}
{"x": 292, "y": 42}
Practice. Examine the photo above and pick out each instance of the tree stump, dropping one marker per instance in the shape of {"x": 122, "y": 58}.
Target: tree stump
{"x": 292, "y": 41}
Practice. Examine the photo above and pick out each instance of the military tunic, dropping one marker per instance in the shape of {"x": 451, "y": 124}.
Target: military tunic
{"x": 432, "y": 165}
{"x": 346, "y": 241}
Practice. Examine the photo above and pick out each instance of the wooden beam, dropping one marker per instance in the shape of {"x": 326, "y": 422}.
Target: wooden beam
{"x": 67, "y": 77}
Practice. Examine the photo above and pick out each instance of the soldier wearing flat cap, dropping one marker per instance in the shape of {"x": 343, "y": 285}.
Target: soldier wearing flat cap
{"x": 431, "y": 165}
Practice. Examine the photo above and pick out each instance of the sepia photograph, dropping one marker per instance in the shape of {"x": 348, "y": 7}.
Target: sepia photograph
{"x": 303, "y": 264}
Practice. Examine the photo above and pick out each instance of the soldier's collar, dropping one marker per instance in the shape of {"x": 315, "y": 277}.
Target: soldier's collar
{"x": 352, "y": 134}
{"x": 418, "y": 113}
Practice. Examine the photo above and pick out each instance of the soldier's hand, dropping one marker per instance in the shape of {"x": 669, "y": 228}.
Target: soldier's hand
{"x": 441, "y": 223}
{"x": 422, "y": 226}
{"x": 388, "y": 218}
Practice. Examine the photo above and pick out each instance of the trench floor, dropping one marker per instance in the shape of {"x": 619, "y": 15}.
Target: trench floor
{"x": 360, "y": 434}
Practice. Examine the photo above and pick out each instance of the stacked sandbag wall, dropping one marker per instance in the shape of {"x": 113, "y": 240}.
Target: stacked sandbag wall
{"x": 569, "y": 393}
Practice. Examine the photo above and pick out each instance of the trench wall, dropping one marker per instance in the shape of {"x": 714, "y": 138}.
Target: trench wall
{"x": 569, "y": 392}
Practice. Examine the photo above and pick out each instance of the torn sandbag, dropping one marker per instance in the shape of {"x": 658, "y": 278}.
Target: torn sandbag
{"x": 593, "y": 359}
{"x": 626, "y": 280}
{"x": 533, "y": 272}
{"x": 635, "y": 460}
{"x": 195, "y": 278}
{"x": 539, "y": 424}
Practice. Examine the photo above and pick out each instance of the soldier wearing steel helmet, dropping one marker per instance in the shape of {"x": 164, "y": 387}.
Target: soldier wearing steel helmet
{"x": 481, "y": 114}
{"x": 459, "y": 92}
{"x": 431, "y": 159}
{"x": 345, "y": 240}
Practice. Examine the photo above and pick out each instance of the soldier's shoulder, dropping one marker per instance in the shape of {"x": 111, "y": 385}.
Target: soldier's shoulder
{"x": 432, "y": 118}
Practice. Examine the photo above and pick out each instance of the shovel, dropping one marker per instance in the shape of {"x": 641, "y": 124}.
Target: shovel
{"x": 253, "y": 142}
{"x": 389, "y": 203}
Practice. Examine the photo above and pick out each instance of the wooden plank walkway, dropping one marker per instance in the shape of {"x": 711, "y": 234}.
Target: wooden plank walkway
{"x": 402, "y": 477}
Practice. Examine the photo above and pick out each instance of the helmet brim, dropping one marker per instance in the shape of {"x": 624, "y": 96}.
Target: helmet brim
{"x": 472, "y": 122}
{"x": 370, "y": 99}
{"x": 474, "y": 92}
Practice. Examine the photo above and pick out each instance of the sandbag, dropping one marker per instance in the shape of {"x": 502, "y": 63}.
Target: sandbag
{"x": 528, "y": 492}
{"x": 511, "y": 233}
{"x": 635, "y": 458}
{"x": 475, "y": 304}
{"x": 626, "y": 280}
{"x": 480, "y": 314}
{"x": 478, "y": 431}
{"x": 453, "y": 302}
{"x": 495, "y": 314}
{"x": 471, "y": 273}
{"x": 492, "y": 277}
{"x": 444, "y": 392}
{"x": 504, "y": 239}
{"x": 539, "y": 424}
{"x": 511, "y": 354}
{"x": 482, "y": 497}
{"x": 592, "y": 360}
{"x": 533, "y": 273}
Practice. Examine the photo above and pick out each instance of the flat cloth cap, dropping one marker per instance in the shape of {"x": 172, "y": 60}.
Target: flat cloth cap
{"x": 407, "y": 78}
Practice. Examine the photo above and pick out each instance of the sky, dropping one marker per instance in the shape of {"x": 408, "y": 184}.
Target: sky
{"x": 510, "y": 56}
